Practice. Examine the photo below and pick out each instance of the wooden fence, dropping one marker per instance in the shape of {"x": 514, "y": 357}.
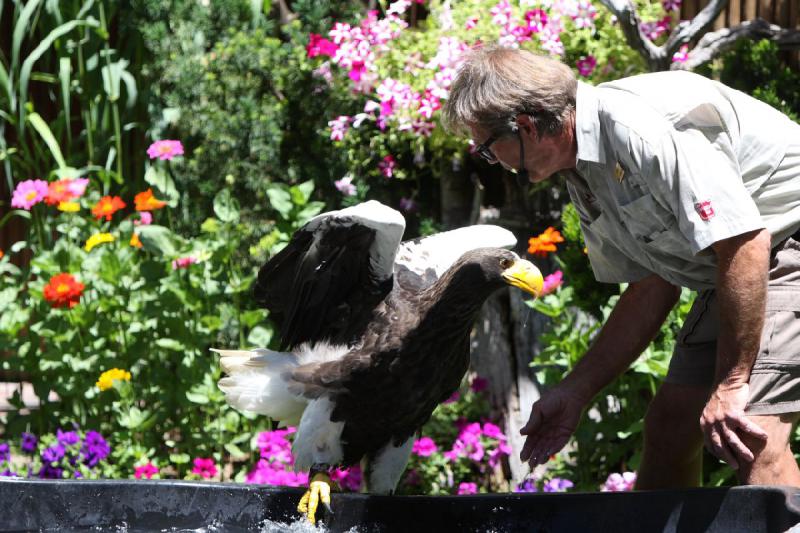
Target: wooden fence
{"x": 784, "y": 13}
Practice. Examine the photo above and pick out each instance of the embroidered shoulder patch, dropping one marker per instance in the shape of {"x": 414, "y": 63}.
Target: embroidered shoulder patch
{"x": 704, "y": 209}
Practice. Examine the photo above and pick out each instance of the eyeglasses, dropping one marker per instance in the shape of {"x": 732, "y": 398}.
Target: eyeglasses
{"x": 484, "y": 151}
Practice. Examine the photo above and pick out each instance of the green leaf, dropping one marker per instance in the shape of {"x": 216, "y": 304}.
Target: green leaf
{"x": 259, "y": 336}
{"x": 164, "y": 184}
{"x": 160, "y": 240}
{"x": 197, "y": 397}
{"x": 170, "y": 344}
{"x": 179, "y": 458}
{"x": 44, "y": 132}
{"x": 280, "y": 199}
{"x": 235, "y": 451}
{"x": 226, "y": 207}
{"x": 302, "y": 192}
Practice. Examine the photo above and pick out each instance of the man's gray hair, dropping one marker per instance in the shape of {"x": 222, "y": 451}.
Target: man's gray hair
{"x": 496, "y": 84}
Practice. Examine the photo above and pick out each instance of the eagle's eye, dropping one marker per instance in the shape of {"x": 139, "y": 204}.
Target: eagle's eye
{"x": 506, "y": 263}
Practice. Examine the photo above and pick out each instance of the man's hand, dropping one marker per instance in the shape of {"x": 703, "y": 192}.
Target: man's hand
{"x": 723, "y": 418}
{"x": 553, "y": 420}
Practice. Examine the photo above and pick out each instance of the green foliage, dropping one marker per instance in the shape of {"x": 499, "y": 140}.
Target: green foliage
{"x": 756, "y": 68}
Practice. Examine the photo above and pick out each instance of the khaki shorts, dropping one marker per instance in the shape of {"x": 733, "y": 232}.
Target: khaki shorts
{"x": 775, "y": 378}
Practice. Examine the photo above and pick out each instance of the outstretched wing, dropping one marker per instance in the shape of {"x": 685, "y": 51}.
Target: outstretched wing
{"x": 325, "y": 283}
{"x": 420, "y": 262}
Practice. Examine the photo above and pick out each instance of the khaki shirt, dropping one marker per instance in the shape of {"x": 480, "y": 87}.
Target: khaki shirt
{"x": 670, "y": 163}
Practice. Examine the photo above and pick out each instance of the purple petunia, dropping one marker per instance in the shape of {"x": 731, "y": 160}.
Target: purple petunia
{"x": 67, "y": 438}
{"x": 558, "y": 484}
{"x": 5, "y": 452}
{"x": 528, "y": 485}
{"x": 50, "y": 472}
{"x": 29, "y": 442}
{"x": 95, "y": 448}
{"x": 53, "y": 454}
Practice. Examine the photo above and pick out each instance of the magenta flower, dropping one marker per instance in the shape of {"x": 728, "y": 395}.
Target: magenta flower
{"x": 146, "y": 470}
{"x": 204, "y": 467}
{"x": 348, "y": 478}
{"x": 467, "y": 488}
{"x": 165, "y": 150}
{"x": 29, "y": 193}
{"x": 183, "y": 262}
{"x": 552, "y": 282}
{"x": 671, "y": 5}
{"x": 425, "y": 447}
{"x": 387, "y": 166}
{"x": 493, "y": 432}
{"x": 479, "y": 384}
{"x": 583, "y": 14}
{"x": 453, "y": 397}
{"x": 586, "y": 65}
{"x": 320, "y": 46}
{"x": 619, "y": 482}
{"x": 77, "y": 186}
{"x": 536, "y": 19}
{"x": 471, "y": 23}
{"x": 339, "y": 127}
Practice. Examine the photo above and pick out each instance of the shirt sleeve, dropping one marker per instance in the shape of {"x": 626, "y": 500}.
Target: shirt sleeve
{"x": 693, "y": 174}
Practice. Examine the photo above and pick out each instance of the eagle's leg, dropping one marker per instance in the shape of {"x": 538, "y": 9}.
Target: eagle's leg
{"x": 319, "y": 490}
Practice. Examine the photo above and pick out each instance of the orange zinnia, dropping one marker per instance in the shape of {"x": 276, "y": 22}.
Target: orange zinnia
{"x": 63, "y": 290}
{"x": 135, "y": 242}
{"x": 107, "y": 206}
{"x": 57, "y": 192}
{"x": 146, "y": 202}
{"x": 545, "y": 242}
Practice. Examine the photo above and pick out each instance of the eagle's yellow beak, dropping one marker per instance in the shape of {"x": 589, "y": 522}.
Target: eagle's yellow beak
{"x": 526, "y": 276}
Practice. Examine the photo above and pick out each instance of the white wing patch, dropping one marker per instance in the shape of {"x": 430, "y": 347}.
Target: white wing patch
{"x": 388, "y": 223}
{"x": 387, "y": 466}
{"x": 440, "y": 251}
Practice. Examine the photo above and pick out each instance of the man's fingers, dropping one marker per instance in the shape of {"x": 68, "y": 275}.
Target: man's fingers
{"x": 533, "y": 422}
{"x": 749, "y": 427}
{"x": 735, "y": 444}
{"x": 718, "y": 448}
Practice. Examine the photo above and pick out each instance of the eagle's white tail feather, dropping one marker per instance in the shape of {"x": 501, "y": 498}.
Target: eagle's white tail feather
{"x": 255, "y": 383}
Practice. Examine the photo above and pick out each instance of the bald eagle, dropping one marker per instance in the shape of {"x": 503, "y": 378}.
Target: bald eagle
{"x": 375, "y": 335}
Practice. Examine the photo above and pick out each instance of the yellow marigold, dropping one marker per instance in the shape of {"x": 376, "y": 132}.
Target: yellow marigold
{"x": 135, "y": 242}
{"x": 108, "y": 378}
{"x": 545, "y": 242}
{"x": 69, "y": 207}
{"x": 96, "y": 239}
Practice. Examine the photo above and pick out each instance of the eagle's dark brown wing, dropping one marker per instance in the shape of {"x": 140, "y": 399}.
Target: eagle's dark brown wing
{"x": 325, "y": 283}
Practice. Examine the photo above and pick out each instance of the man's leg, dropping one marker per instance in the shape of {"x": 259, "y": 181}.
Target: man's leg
{"x": 673, "y": 442}
{"x": 774, "y": 462}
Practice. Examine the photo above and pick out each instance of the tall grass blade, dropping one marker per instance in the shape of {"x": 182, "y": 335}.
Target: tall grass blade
{"x": 64, "y": 72}
{"x": 20, "y": 26}
{"x": 43, "y": 130}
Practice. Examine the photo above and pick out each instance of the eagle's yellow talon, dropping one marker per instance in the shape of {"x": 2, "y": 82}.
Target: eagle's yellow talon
{"x": 319, "y": 490}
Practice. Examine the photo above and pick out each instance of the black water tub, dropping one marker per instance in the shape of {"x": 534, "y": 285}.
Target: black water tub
{"x": 133, "y": 506}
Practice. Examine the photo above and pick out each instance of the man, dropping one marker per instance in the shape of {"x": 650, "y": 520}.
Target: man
{"x": 679, "y": 181}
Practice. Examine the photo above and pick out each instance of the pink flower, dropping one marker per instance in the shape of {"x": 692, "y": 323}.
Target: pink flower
{"x": 557, "y": 484}
{"x": 345, "y": 186}
{"x": 339, "y": 127}
{"x": 320, "y": 46}
{"x": 619, "y": 482}
{"x": 471, "y": 23}
{"x": 501, "y": 13}
{"x": 147, "y": 470}
{"x": 145, "y": 219}
{"x": 407, "y": 205}
{"x": 387, "y": 166}
{"x": 424, "y": 447}
{"x": 497, "y": 454}
{"x": 467, "y": 488}
{"x": 183, "y": 262}
{"x": 671, "y": 5}
{"x": 586, "y": 65}
{"x": 550, "y": 41}
{"x": 552, "y": 282}
{"x": 204, "y": 467}
{"x": 682, "y": 55}
{"x": 583, "y": 14}
{"x": 348, "y": 478}
{"x": 536, "y": 19}
{"x": 29, "y": 193}
{"x": 493, "y": 432}
{"x": 453, "y": 397}
{"x": 165, "y": 150}
{"x": 77, "y": 186}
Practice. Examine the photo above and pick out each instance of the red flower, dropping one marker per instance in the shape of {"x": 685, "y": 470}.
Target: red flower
{"x": 63, "y": 290}
{"x": 107, "y": 206}
{"x": 145, "y": 201}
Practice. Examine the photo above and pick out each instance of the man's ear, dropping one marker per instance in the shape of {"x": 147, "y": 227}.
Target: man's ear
{"x": 525, "y": 124}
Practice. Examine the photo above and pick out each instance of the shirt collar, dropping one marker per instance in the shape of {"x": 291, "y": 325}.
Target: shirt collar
{"x": 587, "y": 125}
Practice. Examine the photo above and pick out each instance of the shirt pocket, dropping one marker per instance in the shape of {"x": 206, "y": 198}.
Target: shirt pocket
{"x": 647, "y": 220}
